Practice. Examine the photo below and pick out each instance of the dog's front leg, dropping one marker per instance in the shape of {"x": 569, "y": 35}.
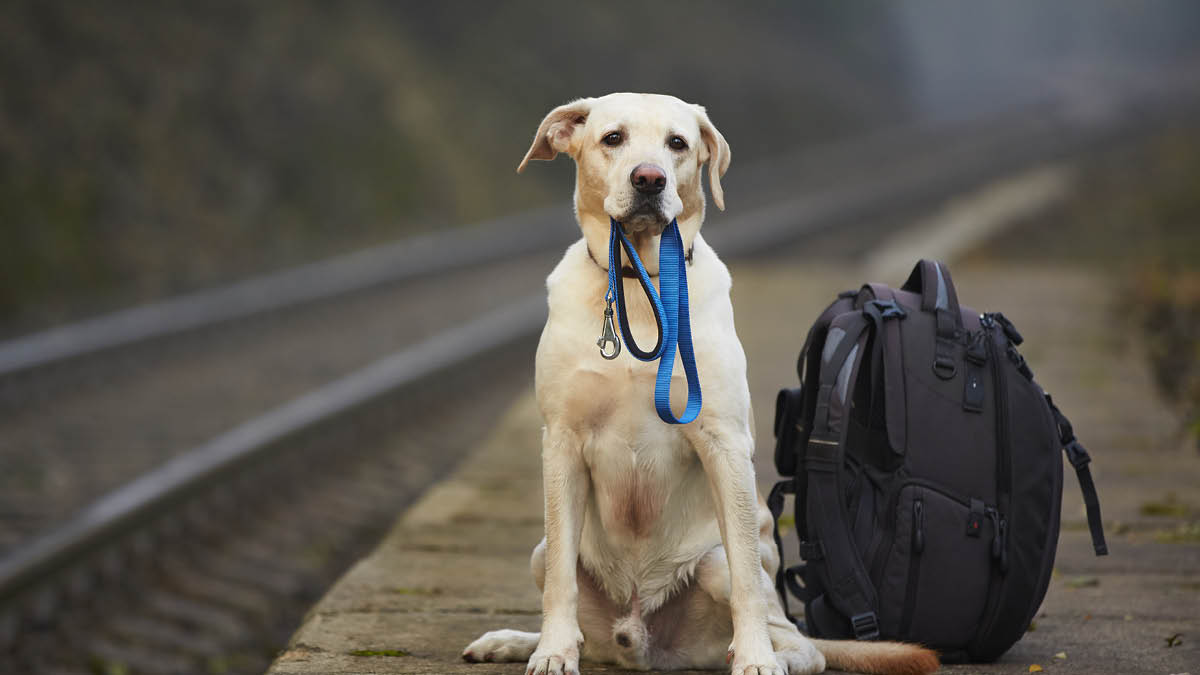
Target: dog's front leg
{"x": 725, "y": 451}
{"x": 566, "y": 486}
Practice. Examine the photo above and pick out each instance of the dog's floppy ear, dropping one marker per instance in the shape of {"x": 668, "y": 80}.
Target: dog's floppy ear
{"x": 554, "y": 134}
{"x": 717, "y": 155}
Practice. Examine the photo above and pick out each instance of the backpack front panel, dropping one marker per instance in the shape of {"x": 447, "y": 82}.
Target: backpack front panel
{"x": 1033, "y": 510}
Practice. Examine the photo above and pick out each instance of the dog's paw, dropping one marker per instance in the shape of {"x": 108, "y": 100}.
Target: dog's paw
{"x": 757, "y": 658}
{"x": 557, "y": 653}
{"x": 500, "y": 646}
{"x": 554, "y": 662}
{"x": 801, "y": 658}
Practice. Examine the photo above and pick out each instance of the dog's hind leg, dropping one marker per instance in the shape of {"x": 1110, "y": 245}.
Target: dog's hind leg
{"x": 511, "y": 645}
{"x": 502, "y": 646}
{"x": 795, "y": 652}
{"x": 798, "y": 653}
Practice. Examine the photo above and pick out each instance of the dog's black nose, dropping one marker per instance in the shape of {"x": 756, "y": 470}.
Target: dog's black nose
{"x": 648, "y": 179}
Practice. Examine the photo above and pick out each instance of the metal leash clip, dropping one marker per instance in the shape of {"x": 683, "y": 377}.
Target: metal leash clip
{"x": 608, "y": 334}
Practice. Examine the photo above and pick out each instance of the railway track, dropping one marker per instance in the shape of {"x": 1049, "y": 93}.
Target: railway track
{"x": 219, "y": 460}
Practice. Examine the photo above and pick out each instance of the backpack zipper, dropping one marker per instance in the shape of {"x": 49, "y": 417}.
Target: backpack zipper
{"x": 999, "y": 538}
{"x": 1003, "y": 476}
{"x": 914, "y": 565}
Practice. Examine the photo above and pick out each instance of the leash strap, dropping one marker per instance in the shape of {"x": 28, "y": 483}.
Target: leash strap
{"x": 616, "y": 241}
{"x": 671, "y": 312}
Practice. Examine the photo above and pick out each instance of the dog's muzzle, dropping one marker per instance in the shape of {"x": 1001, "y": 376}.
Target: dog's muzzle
{"x": 645, "y": 215}
{"x": 646, "y": 209}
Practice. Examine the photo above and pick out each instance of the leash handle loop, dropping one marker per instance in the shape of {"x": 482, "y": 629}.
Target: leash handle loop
{"x": 672, "y": 278}
{"x": 671, "y": 313}
{"x": 617, "y": 241}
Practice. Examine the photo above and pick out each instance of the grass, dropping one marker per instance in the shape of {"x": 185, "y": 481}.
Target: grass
{"x": 1184, "y": 533}
{"x": 1169, "y": 507}
{"x": 379, "y": 652}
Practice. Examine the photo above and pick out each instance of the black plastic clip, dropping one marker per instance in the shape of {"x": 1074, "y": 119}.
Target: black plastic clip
{"x": 866, "y": 626}
{"x": 1077, "y": 455}
{"x": 888, "y": 309}
{"x": 811, "y": 550}
{"x": 978, "y": 511}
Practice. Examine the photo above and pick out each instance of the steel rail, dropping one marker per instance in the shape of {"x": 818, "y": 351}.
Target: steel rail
{"x": 149, "y": 496}
{"x": 125, "y": 510}
{"x": 35, "y": 566}
{"x": 412, "y": 257}
{"x": 388, "y": 263}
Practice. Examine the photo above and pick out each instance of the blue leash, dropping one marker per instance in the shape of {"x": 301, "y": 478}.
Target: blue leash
{"x": 670, "y": 312}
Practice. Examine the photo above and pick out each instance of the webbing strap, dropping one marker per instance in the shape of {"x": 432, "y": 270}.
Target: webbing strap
{"x": 849, "y": 588}
{"x": 616, "y": 290}
{"x": 932, "y": 280}
{"x": 1079, "y": 458}
{"x": 670, "y": 311}
{"x": 775, "y": 505}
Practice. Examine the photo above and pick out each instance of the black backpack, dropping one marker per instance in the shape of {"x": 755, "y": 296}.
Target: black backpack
{"x": 925, "y": 464}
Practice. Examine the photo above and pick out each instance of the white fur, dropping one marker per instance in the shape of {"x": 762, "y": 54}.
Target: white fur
{"x": 658, "y": 550}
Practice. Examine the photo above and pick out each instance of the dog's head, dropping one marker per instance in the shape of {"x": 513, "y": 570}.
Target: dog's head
{"x": 639, "y": 157}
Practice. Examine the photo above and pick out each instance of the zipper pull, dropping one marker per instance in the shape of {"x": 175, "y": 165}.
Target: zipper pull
{"x": 918, "y": 527}
{"x": 1009, "y": 329}
{"x": 1003, "y": 545}
{"x": 997, "y": 547}
{"x": 999, "y": 538}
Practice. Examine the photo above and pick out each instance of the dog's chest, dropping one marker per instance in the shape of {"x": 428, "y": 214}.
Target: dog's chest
{"x": 639, "y": 466}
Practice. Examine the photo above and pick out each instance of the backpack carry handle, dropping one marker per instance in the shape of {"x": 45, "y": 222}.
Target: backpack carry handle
{"x": 932, "y": 280}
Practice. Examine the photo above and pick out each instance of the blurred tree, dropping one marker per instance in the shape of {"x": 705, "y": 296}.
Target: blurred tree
{"x": 150, "y": 148}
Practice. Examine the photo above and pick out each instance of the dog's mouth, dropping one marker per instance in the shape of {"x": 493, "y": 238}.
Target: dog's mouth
{"x": 646, "y": 215}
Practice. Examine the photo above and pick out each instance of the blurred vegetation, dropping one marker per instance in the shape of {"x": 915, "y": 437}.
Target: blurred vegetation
{"x": 1137, "y": 213}
{"x": 152, "y": 148}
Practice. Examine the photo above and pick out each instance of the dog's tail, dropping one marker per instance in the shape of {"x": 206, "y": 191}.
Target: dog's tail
{"x": 878, "y": 658}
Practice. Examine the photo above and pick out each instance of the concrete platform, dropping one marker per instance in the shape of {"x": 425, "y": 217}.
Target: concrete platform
{"x": 456, "y": 564}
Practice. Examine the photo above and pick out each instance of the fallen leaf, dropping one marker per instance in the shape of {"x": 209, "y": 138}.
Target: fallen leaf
{"x": 1032, "y": 626}
{"x": 1062, "y": 656}
{"x": 1174, "y": 640}
{"x": 1087, "y": 617}
{"x": 1129, "y": 617}
{"x": 1035, "y": 668}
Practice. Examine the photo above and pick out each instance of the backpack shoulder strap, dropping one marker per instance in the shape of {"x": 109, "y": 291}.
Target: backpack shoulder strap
{"x": 816, "y": 333}
{"x": 794, "y": 407}
{"x": 846, "y": 580}
{"x": 894, "y": 398}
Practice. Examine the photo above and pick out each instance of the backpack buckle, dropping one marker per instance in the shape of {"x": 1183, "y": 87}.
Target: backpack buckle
{"x": 1077, "y": 455}
{"x": 866, "y": 626}
{"x": 811, "y": 550}
{"x": 888, "y": 309}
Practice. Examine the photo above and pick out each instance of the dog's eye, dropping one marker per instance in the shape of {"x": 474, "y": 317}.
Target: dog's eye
{"x": 677, "y": 143}
{"x": 612, "y": 140}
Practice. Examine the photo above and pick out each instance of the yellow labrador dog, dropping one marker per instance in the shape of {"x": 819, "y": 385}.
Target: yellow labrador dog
{"x": 658, "y": 550}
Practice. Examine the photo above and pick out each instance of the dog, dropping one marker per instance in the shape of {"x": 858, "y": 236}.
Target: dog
{"x": 658, "y": 551}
